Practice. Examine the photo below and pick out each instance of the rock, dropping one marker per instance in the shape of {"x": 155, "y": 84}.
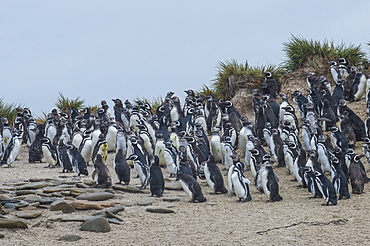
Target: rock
{"x": 54, "y": 189}
{"x": 4, "y": 196}
{"x": 13, "y": 223}
{"x": 160, "y": 210}
{"x": 50, "y": 225}
{"x": 146, "y": 201}
{"x": 37, "y": 224}
{"x": 10, "y": 205}
{"x": 22, "y": 204}
{"x": 69, "y": 238}
{"x": 173, "y": 186}
{"x": 24, "y": 192}
{"x": 31, "y": 186}
{"x": 3, "y": 201}
{"x": 81, "y": 185}
{"x": 89, "y": 182}
{"x": 44, "y": 194}
{"x": 128, "y": 203}
{"x": 36, "y": 180}
{"x": 127, "y": 188}
{"x": 115, "y": 221}
{"x": 74, "y": 219}
{"x": 2, "y": 235}
{"x": 30, "y": 198}
{"x": 96, "y": 196}
{"x": 28, "y": 214}
{"x": 111, "y": 215}
{"x": 96, "y": 225}
{"x": 85, "y": 205}
{"x": 77, "y": 192}
{"x": 171, "y": 199}
{"x": 62, "y": 206}
{"x": 113, "y": 210}
{"x": 46, "y": 200}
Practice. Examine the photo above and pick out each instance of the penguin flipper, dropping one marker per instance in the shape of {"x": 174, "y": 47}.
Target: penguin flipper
{"x": 94, "y": 173}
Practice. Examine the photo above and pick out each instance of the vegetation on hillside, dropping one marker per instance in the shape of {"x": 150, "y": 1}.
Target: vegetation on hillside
{"x": 8, "y": 110}
{"x": 65, "y": 104}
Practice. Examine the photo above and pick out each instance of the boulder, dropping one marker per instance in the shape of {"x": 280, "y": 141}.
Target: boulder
{"x": 99, "y": 224}
{"x": 13, "y": 223}
{"x": 63, "y": 206}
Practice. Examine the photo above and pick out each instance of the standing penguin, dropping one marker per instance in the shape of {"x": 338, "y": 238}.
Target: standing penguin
{"x": 216, "y": 149}
{"x": 156, "y": 181}
{"x": 121, "y": 167}
{"x": 12, "y": 150}
{"x": 77, "y": 160}
{"x": 213, "y": 176}
{"x": 339, "y": 179}
{"x": 49, "y": 152}
{"x": 270, "y": 182}
{"x": 326, "y": 188}
{"x": 356, "y": 174}
{"x": 104, "y": 178}
{"x": 142, "y": 169}
{"x": 63, "y": 157}
{"x": 86, "y": 146}
{"x": 35, "y": 149}
{"x": 191, "y": 187}
{"x": 239, "y": 183}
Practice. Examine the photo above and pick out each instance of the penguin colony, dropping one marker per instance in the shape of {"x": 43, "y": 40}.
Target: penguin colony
{"x": 315, "y": 145}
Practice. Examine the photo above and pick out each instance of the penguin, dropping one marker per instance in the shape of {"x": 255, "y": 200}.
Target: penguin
{"x": 77, "y": 160}
{"x": 104, "y": 177}
{"x": 215, "y": 145}
{"x": 31, "y": 135}
{"x": 284, "y": 103}
{"x": 338, "y": 92}
{"x": 323, "y": 154}
{"x": 12, "y": 150}
{"x": 227, "y": 152}
{"x": 147, "y": 140}
{"x": 271, "y": 84}
{"x": 121, "y": 167}
{"x": 111, "y": 136}
{"x": 355, "y": 121}
{"x": 347, "y": 130}
{"x": 159, "y": 149}
{"x": 156, "y": 181}
{"x": 121, "y": 141}
{"x": 86, "y": 146}
{"x": 301, "y": 102}
{"x": 277, "y": 147}
{"x": 360, "y": 81}
{"x": 334, "y": 70}
{"x": 310, "y": 179}
{"x": 50, "y": 130}
{"x": 213, "y": 176}
{"x": 356, "y": 175}
{"x": 101, "y": 147}
{"x": 35, "y": 149}
{"x": 142, "y": 169}
{"x": 239, "y": 183}
{"x": 339, "y": 179}
{"x": 49, "y": 152}
{"x": 270, "y": 183}
{"x": 63, "y": 157}
{"x": 95, "y": 136}
{"x": 6, "y": 132}
{"x": 191, "y": 186}
{"x": 248, "y": 154}
{"x": 327, "y": 116}
{"x": 170, "y": 157}
{"x": 326, "y": 188}
{"x": 338, "y": 138}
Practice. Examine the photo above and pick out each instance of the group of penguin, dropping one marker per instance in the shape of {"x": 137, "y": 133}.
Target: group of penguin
{"x": 190, "y": 139}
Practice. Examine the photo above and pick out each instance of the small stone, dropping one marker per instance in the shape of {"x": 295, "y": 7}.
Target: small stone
{"x": 37, "y": 224}
{"x": 10, "y": 205}
{"x": 96, "y": 196}
{"x": 24, "y": 192}
{"x": 46, "y": 200}
{"x": 77, "y": 192}
{"x": 65, "y": 193}
{"x": 36, "y": 180}
{"x": 53, "y": 189}
{"x": 115, "y": 221}
{"x": 22, "y": 204}
{"x": 173, "y": 186}
{"x": 111, "y": 215}
{"x": 69, "y": 238}
{"x": 127, "y": 188}
{"x": 13, "y": 223}
{"x": 28, "y": 214}
{"x": 30, "y": 198}
{"x": 50, "y": 225}
{"x": 4, "y": 196}
{"x": 99, "y": 224}
{"x": 146, "y": 201}
{"x": 2, "y": 235}
{"x": 160, "y": 210}
{"x": 74, "y": 219}
{"x": 89, "y": 182}
{"x": 171, "y": 199}
{"x": 62, "y": 206}
{"x": 81, "y": 185}
{"x": 30, "y": 186}
{"x": 44, "y": 194}
{"x": 3, "y": 201}
{"x": 113, "y": 210}
{"x": 86, "y": 205}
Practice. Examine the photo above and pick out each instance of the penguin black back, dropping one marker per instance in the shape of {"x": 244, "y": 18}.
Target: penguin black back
{"x": 156, "y": 181}
{"x": 121, "y": 167}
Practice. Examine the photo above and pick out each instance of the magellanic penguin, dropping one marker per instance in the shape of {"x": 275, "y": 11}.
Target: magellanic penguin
{"x": 35, "y": 150}
{"x": 12, "y": 150}
{"x": 77, "y": 160}
{"x": 86, "y": 146}
{"x": 170, "y": 157}
{"x": 49, "y": 152}
{"x": 326, "y": 188}
{"x": 111, "y": 136}
{"x": 156, "y": 181}
{"x": 142, "y": 169}
{"x": 227, "y": 152}
{"x": 213, "y": 176}
{"x": 191, "y": 187}
{"x": 239, "y": 183}
{"x": 215, "y": 143}
{"x": 101, "y": 147}
{"x": 104, "y": 177}
{"x": 310, "y": 179}
{"x": 63, "y": 157}
{"x": 121, "y": 167}
{"x": 356, "y": 174}
{"x": 339, "y": 179}
{"x": 270, "y": 182}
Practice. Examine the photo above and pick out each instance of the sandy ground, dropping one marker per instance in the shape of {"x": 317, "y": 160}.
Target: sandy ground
{"x": 297, "y": 220}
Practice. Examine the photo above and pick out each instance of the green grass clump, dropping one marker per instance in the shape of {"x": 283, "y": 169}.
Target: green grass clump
{"x": 65, "y": 104}
{"x": 300, "y": 52}
{"x": 8, "y": 110}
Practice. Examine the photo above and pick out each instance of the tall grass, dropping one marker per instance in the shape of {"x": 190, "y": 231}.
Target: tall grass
{"x": 224, "y": 87}
{"x": 64, "y": 104}
{"x": 300, "y": 52}
{"x": 8, "y": 110}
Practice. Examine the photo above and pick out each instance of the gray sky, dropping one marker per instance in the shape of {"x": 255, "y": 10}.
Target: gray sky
{"x": 144, "y": 48}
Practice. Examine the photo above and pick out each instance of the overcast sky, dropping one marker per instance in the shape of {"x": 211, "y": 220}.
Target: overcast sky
{"x": 145, "y": 48}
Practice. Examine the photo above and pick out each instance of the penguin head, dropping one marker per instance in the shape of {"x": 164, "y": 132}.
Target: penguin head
{"x": 240, "y": 165}
{"x": 132, "y": 157}
{"x": 267, "y": 74}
